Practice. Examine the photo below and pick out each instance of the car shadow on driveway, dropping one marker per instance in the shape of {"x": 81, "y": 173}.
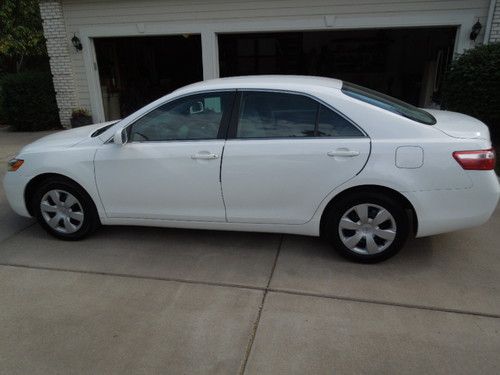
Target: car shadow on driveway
{"x": 193, "y": 255}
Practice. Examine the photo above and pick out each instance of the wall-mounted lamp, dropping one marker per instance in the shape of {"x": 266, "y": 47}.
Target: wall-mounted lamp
{"x": 476, "y": 29}
{"x": 76, "y": 43}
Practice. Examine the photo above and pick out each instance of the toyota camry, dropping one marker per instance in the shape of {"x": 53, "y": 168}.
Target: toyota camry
{"x": 288, "y": 154}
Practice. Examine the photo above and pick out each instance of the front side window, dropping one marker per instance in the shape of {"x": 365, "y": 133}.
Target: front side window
{"x": 190, "y": 118}
{"x": 388, "y": 103}
{"x": 283, "y": 115}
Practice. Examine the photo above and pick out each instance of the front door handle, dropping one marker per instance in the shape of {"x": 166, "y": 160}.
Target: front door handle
{"x": 346, "y": 153}
{"x": 204, "y": 156}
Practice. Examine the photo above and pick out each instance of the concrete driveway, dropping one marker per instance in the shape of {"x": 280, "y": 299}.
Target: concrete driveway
{"x": 148, "y": 300}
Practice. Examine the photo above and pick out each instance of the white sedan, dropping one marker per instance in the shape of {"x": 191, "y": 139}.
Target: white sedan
{"x": 303, "y": 155}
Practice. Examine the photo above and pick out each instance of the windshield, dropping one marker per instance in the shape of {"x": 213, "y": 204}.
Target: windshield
{"x": 101, "y": 130}
{"x": 388, "y": 103}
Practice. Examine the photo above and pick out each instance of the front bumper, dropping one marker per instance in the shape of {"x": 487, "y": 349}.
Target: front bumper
{"x": 14, "y": 185}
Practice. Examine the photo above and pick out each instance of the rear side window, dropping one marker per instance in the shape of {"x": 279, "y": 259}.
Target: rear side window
{"x": 272, "y": 115}
{"x": 283, "y": 115}
{"x": 388, "y": 103}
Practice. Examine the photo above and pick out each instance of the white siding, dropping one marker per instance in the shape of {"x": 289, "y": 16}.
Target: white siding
{"x": 495, "y": 25}
{"x": 84, "y": 15}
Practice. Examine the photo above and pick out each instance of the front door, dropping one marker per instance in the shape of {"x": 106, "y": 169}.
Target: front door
{"x": 170, "y": 168}
{"x": 287, "y": 153}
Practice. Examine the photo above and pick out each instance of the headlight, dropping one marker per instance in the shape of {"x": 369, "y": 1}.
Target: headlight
{"x": 14, "y": 164}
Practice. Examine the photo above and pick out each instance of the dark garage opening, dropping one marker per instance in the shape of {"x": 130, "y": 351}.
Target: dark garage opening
{"x": 407, "y": 63}
{"x": 134, "y": 71}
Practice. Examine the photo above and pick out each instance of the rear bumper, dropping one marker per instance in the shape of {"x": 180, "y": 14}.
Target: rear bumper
{"x": 14, "y": 185}
{"x": 441, "y": 211}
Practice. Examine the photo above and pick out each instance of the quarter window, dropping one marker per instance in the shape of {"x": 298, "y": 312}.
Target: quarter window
{"x": 331, "y": 124}
{"x": 190, "y": 118}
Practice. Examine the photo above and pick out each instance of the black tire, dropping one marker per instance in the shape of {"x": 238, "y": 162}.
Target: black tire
{"x": 330, "y": 228}
{"x": 90, "y": 220}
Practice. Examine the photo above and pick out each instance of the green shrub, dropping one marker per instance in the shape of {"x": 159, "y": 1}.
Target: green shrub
{"x": 472, "y": 85}
{"x": 2, "y": 115}
{"x": 28, "y": 101}
{"x": 3, "y": 121}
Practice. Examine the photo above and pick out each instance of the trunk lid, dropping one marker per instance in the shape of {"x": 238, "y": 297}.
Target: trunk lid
{"x": 458, "y": 125}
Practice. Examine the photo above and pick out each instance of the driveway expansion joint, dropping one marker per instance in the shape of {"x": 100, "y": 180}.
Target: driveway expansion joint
{"x": 384, "y": 303}
{"x": 266, "y": 289}
{"x": 140, "y": 277}
{"x": 259, "y": 312}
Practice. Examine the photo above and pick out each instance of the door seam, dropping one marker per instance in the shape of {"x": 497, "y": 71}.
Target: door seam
{"x": 97, "y": 185}
{"x": 220, "y": 180}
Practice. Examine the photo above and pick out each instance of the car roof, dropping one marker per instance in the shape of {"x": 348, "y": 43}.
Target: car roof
{"x": 270, "y": 82}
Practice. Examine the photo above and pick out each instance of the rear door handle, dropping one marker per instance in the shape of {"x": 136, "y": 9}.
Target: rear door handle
{"x": 204, "y": 156}
{"x": 345, "y": 153}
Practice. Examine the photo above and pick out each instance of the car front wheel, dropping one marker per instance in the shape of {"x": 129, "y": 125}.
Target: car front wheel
{"x": 367, "y": 227}
{"x": 64, "y": 209}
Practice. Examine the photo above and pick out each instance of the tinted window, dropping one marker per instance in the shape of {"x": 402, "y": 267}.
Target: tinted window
{"x": 331, "y": 124}
{"x": 270, "y": 115}
{"x": 388, "y": 103}
{"x": 193, "y": 117}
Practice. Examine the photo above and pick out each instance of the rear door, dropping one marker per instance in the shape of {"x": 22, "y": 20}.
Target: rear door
{"x": 284, "y": 154}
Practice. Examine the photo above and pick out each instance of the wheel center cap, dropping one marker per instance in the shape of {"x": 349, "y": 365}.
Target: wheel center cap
{"x": 367, "y": 228}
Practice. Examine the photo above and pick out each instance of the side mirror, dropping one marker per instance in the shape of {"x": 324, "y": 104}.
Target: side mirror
{"x": 196, "y": 107}
{"x": 120, "y": 137}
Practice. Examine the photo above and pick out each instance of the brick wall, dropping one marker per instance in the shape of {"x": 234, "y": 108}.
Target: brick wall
{"x": 495, "y": 26}
{"x": 60, "y": 64}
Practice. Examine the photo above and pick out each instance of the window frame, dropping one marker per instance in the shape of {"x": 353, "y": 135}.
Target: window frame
{"x": 223, "y": 126}
{"x": 234, "y": 121}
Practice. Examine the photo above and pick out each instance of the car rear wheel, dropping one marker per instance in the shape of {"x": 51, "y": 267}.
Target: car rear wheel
{"x": 64, "y": 209}
{"x": 367, "y": 227}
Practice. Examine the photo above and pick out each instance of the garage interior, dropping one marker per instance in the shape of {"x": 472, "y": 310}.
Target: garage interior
{"x": 407, "y": 63}
{"x": 134, "y": 71}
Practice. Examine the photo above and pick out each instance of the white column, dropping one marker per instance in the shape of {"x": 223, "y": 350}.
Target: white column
{"x": 210, "y": 54}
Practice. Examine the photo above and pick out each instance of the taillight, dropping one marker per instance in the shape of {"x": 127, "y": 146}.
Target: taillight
{"x": 480, "y": 160}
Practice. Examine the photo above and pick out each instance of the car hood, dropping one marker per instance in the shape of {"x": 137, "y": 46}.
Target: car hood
{"x": 458, "y": 125}
{"x": 66, "y": 138}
